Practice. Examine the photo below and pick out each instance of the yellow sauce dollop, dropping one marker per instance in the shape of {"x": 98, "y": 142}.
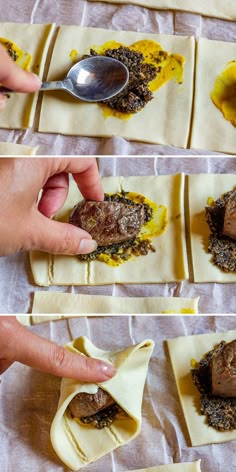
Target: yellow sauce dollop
{"x": 23, "y": 59}
{"x": 153, "y": 228}
{"x": 183, "y": 311}
{"x": 170, "y": 67}
{"x": 74, "y": 55}
{"x": 224, "y": 93}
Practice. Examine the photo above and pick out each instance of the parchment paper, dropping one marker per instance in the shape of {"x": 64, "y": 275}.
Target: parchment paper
{"x": 101, "y": 15}
{"x": 16, "y": 285}
{"x": 29, "y": 400}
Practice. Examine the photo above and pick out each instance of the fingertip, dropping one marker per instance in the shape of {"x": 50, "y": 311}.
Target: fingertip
{"x": 86, "y": 246}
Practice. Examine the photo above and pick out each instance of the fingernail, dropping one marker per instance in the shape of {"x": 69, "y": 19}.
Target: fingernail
{"x": 108, "y": 370}
{"x": 86, "y": 246}
{"x": 37, "y": 79}
{"x": 3, "y": 101}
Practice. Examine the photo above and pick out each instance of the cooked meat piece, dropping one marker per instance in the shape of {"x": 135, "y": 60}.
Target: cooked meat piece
{"x": 221, "y": 245}
{"x": 108, "y": 222}
{"x": 223, "y": 371}
{"x": 88, "y": 404}
{"x": 220, "y": 411}
{"x": 230, "y": 217}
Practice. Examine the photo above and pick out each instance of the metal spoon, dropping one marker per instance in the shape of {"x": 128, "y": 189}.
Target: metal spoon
{"x": 93, "y": 79}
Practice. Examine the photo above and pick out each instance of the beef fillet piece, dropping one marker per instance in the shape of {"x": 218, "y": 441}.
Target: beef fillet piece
{"x": 108, "y": 222}
{"x": 229, "y": 228}
{"x": 215, "y": 379}
{"x": 98, "y": 409}
{"x": 87, "y": 404}
{"x": 223, "y": 371}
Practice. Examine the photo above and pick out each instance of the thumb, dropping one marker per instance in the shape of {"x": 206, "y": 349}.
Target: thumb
{"x": 15, "y": 78}
{"x": 59, "y": 238}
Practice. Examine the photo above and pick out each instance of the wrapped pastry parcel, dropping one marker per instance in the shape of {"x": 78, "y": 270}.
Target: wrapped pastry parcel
{"x": 79, "y": 444}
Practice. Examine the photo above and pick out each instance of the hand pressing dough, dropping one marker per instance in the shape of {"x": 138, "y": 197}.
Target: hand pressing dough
{"x": 210, "y": 130}
{"x": 78, "y": 445}
{"x": 183, "y": 467}
{"x": 201, "y": 187}
{"x": 182, "y": 351}
{"x": 33, "y": 39}
{"x": 168, "y": 263}
{"x": 216, "y": 8}
{"x": 56, "y": 302}
{"x": 166, "y": 117}
{"x": 12, "y": 149}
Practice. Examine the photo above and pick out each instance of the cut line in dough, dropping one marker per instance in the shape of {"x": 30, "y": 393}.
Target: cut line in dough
{"x": 201, "y": 187}
{"x": 12, "y": 149}
{"x": 168, "y": 263}
{"x": 210, "y": 130}
{"x": 183, "y": 467}
{"x": 78, "y": 445}
{"x": 56, "y": 302}
{"x": 182, "y": 350}
{"x": 61, "y": 113}
{"x": 34, "y": 39}
{"x": 215, "y": 8}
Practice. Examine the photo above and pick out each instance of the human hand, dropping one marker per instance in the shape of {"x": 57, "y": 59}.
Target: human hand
{"x": 17, "y": 343}
{"x": 15, "y": 78}
{"x": 26, "y": 224}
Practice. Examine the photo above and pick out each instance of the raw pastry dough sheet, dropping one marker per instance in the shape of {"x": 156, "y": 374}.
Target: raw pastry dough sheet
{"x": 78, "y": 445}
{"x": 35, "y": 40}
{"x": 48, "y": 302}
{"x": 116, "y": 17}
{"x": 163, "y": 438}
{"x": 216, "y": 8}
{"x": 201, "y": 187}
{"x": 182, "y": 351}
{"x": 210, "y": 129}
{"x": 11, "y": 149}
{"x": 182, "y": 467}
{"x": 171, "y": 104}
{"x": 167, "y": 264}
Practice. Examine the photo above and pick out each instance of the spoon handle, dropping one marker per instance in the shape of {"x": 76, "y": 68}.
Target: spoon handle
{"x": 56, "y": 85}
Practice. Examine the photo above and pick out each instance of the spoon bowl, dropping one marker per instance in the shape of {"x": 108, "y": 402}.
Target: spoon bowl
{"x": 93, "y": 79}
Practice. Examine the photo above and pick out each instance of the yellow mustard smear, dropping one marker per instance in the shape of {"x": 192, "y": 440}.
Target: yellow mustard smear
{"x": 224, "y": 93}
{"x": 153, "y": 228}
{"x": 170, "y": 66}
{"x": 20, "y": 57}
{"x": 74, "y": 55}
{"x": 210, "y": 201}
{"x": 183, "y": 311}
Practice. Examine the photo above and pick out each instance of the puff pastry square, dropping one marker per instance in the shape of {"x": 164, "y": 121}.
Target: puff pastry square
{"x": 182, "y": 350}
{"x": 172, "y": 104}
{"x": 201, "y": 187}
{"x": 57, "y": 302}
{"x": 216, "y": 8}
{"x": 210, "y": 130}
{"x": 78, "y": 445}
{"x": 183, "y": 467}
{"x": 12, "y": 149}
{"x": 168, "y": 263}
{"x": 33, "y": 39}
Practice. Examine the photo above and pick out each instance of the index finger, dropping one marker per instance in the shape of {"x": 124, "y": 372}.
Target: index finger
{"x": 88, "y": 180}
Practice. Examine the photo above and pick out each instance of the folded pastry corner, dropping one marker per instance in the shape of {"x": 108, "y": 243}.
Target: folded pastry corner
{"x": 94, "y": 419}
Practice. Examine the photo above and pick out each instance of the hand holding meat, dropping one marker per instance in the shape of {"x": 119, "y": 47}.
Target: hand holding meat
{"x": 15, "y": 78}
{"x": 25, "y": 222}
{"x": 17, "y": 343}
